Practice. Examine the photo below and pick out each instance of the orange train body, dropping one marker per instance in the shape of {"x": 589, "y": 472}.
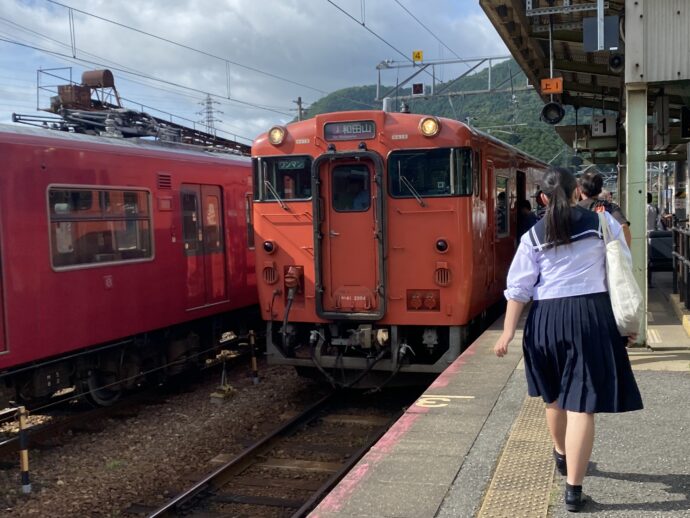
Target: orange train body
{"x": 380, "y": 249}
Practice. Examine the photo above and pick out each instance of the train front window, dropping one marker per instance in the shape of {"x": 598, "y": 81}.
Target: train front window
{"x": 282, "y": 178}
{"x": 430, "y": 172}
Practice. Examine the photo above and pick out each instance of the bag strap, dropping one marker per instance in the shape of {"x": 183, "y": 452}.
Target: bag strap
{"x": 604, "y": 227}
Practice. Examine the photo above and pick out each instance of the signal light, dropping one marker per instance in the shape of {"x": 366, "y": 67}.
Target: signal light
{"x": 442, "y": 246}
{"x": 418, "y": 89}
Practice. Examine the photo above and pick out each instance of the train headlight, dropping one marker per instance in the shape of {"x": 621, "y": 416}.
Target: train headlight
{"x": 429, "y": 126}
{"x": 269, "y": 247}
{"x": 441, "y": 246}
{"x": 276, "y": 135}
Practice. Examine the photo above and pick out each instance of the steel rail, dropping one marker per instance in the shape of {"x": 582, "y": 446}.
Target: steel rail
{"x": 219, "y": 477}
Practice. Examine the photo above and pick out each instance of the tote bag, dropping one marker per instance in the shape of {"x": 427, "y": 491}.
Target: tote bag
{"x": 626, "y": 297}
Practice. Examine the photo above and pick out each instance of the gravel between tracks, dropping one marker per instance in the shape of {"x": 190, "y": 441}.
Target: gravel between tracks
{"x": 145, "y": 459}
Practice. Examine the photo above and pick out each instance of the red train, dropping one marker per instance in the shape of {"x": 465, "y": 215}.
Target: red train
{"x": 118, "y": 258}
{"x": 383, "y": 240}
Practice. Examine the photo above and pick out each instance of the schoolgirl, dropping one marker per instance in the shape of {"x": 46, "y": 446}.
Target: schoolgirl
{"x": 575, "y": 358}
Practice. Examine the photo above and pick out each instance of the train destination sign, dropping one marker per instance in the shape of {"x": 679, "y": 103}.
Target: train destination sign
{"x": 355, "y": 130}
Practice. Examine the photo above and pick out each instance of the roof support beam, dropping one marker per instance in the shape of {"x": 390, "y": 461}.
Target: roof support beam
{"x": 583, "y": 68}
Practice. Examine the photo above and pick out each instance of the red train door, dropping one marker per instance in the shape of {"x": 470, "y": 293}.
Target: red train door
{"x": 350, "y": 256}
{"x": 3, "y": 343}
{"x": 202, "y": 223}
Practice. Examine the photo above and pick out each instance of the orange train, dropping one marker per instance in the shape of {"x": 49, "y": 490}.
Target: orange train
{"x": 383, "y": 240}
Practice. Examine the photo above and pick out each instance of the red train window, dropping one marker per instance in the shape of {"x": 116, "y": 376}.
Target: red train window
{"x": 98, "y": 226}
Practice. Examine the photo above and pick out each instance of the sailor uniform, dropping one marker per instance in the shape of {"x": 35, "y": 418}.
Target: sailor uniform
{"x": 573, "y": 351}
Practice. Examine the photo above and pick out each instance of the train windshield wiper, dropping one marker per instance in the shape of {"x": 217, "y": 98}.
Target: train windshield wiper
{"x": 411, "y": 188}
{"x": 275, "y": 194}
{"x": 270, "y": 187}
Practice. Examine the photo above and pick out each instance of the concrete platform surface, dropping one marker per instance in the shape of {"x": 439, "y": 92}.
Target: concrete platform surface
{"x": 442, "y": 455}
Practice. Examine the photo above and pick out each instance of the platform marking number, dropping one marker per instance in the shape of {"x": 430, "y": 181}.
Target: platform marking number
{"x": 438, "y": 401}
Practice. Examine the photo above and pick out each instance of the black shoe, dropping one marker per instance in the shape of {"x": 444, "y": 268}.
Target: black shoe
{"x": 574, "y": 499}
{"x": 561, "y": 466}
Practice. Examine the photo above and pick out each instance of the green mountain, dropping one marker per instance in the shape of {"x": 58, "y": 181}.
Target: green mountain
{"x": 511, "y": 117}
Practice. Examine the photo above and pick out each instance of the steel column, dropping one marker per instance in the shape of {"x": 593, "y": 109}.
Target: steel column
{"x": 636, "y": 187}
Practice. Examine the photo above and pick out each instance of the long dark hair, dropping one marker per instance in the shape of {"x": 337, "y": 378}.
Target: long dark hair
{"x": 559, "y": 185}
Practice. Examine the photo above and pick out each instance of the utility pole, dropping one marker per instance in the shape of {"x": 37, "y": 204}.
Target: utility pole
{"x": 300, "y": 111}
{"x": 209, "y": 113}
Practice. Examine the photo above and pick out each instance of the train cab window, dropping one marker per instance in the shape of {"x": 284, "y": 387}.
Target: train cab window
{"x": 430, "y": 173}
{"x": 94, "y": 226}
{"x": 282, "y": 178}
{"x": 502, "y": 206}
{"x": 351, "y": 188}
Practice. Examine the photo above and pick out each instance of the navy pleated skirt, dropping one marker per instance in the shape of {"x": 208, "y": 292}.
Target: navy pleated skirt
{"x": 575, "y": 355}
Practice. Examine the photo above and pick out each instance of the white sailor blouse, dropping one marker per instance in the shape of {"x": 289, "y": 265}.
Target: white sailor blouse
{"x": 543, "y": 271}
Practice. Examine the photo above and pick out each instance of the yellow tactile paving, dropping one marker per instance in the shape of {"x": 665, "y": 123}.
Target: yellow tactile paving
{"x": 521, "y": 484}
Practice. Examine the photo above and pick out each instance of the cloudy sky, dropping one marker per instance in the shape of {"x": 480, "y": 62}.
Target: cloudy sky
{"x": 260, "y": 55}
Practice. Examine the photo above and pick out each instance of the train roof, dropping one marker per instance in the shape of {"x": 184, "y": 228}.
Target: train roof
{"x": 362, "y": 114}
{"x": 41, "y": 136}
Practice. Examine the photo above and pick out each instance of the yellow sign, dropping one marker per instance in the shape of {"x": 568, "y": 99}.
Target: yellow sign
{"x": 417, "y": 55}
{"x": 552, "y": 85}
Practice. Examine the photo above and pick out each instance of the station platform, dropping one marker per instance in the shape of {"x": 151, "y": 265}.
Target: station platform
{"x": 474, "y": 444}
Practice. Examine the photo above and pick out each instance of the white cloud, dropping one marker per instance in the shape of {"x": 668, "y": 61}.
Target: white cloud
{"x": 308, "y": 41}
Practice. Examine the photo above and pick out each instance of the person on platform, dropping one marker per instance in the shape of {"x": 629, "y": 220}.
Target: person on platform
{"x": 575, "y": 358}
{"x": 525, "y": 217}
{"x": 653, "y": 220}
{"x": 590, "y": 189}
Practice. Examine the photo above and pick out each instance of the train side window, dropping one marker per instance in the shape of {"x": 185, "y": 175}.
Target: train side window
{"x": 190, "y": 222}
{"x": 98, "y": 226}
{"x": 501, "y": 206}
{"x": 430, "y": 172}
{"x": 249, "y": 218}
{"x": 477, "y": 173}
{"x": 256, "y": 179}
{"x": 213, "y": 229}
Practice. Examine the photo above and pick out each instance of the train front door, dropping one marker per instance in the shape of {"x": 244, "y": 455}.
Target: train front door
{"x": 202, "y": 224}
{"x": 350, "y": 258}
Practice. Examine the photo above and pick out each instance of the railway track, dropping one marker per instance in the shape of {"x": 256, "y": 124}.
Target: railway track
{"x": 62, "y": 418}
{"x": 287, "y": 472}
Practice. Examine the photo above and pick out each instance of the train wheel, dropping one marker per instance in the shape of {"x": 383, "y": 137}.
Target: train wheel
{"x": 101, "y": 388}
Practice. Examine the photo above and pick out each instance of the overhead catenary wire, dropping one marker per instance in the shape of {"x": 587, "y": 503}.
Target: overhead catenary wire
{"x": 139, "y": 74}
{"x": 122, "y": 68}
{"x": 227, "y": 61}
{"x": 363, "y": 24}
{"x": 433, "y": 34}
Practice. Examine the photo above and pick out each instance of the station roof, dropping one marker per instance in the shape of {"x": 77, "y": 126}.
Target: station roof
{"x": 588, "y": 80}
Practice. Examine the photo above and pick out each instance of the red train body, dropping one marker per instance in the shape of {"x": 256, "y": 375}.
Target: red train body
{"x": 379, "y": 247}
{"x": 105, "y": 241}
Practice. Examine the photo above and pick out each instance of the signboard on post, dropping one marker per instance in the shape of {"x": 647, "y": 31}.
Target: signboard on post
{"x": 417, "y": 55}
{"x": 603, "y": 125}
{"x": 552, "y": 85}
